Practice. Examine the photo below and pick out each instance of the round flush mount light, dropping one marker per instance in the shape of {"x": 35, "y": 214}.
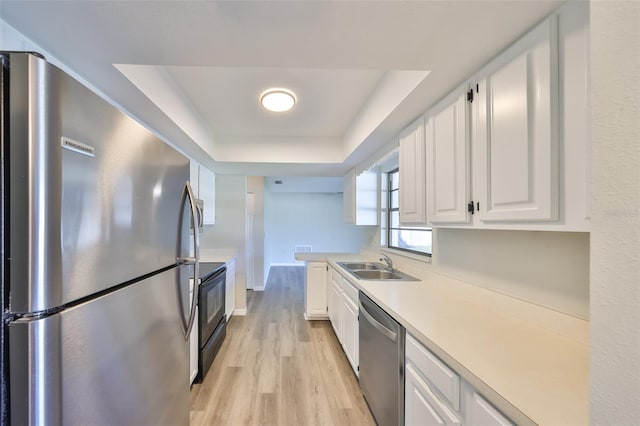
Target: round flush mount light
{"x": 278, "y": 100}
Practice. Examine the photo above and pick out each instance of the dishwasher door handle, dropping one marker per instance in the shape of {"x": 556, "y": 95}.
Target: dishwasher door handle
{"x": 381, "y": 328}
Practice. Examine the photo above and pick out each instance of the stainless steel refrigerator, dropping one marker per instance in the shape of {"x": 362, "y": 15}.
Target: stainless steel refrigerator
{"x": 96, "y": 217}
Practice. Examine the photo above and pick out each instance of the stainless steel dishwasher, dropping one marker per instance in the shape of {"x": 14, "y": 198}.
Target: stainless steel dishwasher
{"x": 381, "y": 363}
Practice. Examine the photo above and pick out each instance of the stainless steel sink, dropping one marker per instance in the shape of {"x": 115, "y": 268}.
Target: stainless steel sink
{"x": 375, "y": 271}
{"x": 377, "y": 275}
{"x": 362, "y": 266}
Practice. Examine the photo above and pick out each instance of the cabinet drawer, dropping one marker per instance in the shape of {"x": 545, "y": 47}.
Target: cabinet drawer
{"x": 349, "y": 289}
{"x": 422, "y": 406}
{"x": 445, "y": 380}
{"x": 483, "y": 413}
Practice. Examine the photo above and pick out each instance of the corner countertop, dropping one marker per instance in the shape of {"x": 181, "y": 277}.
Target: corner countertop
{"x": 531, "y": 362}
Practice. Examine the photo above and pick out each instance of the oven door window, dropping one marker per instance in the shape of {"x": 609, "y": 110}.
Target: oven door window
{"x": 211, "y": 301}
{"x": 214, "y": 302}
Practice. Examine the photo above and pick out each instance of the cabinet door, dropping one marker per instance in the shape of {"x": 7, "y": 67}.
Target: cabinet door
{"x": 335, "y": 311}
{"x": 483, "y": 413}
{"x": 194, "y": 178}
{"x": 349, "y": 196}
{"x": 422, "y": 406}
{"x": 516, "y": 134}
{"x": 316, "y": 291}
{"x": 350, "y": 331}
{"x": 367, "y": 198}
{"x": 193, "y": 350}
{"x": 412, "y": 174}
{"x": 207, "y": 193}
{"x": 447, "y": 158}
{"x": 230, "y": 289}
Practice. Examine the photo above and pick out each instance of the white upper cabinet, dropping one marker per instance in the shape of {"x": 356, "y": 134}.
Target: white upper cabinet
{"x": 207, "y": 192}
{"x": 447, "y": 159}
{"x": 194, "y": 177}
{"x": 349, "y": 196}
{"x": 412, "y": 174}
{"x": 203, "y": 184}
{"x": 360, "y": 197}
{"x": 515, "y": 132}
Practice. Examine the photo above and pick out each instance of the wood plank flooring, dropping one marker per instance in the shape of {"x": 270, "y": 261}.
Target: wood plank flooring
{"x": 275, "y": 368}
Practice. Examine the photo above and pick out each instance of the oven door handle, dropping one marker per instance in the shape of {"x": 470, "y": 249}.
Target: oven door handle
{"x": 381, "y": 328}
{"x": 195, "y": 260}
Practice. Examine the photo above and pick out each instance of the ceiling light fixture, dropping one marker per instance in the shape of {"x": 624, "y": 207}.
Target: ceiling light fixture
{"x": 278, "y": 100}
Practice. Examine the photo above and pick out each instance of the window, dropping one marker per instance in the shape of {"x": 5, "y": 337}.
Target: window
{"x": 415, "y": 239}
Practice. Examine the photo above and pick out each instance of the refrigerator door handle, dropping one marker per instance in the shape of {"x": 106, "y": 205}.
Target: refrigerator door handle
{"x": 200, "y": 216}
{"x": 195, "y": 260}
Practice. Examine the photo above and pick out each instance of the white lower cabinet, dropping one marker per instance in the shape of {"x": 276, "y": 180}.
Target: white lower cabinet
{"x": 350, "y": 327}
{"x": 422, "y": 406}
{"x": 483, "y": 413}
{"x": 436, "y": 395}
{"x": 230, "y": 288}
{"x": 193, "y": 340}
{"x": 315, "y": 295}
{"x": 193, "y": 350}
{"x": 342, "y": 306}
{"x": 334, "y": 298}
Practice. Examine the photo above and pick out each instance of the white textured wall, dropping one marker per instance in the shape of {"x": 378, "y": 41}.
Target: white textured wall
{"x": 306, "y": 218}
{"x": 615, "y": 236}
{"x": 229, "y": 230}
{"x": 550, "y": 269}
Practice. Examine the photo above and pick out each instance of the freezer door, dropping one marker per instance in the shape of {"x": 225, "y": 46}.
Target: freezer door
{"x": 94, "y": 196}
{"x": 120, "y": 359}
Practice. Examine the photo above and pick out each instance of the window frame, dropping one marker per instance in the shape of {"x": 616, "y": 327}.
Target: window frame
{"x": 390, "y": 209}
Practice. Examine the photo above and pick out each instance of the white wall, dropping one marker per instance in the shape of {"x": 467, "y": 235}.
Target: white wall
{"x": 229, "y": 230}
{"x": 255, "y": 186}
{"x": 615, "y": 237}
{"x": 550, "y": 269}
{"x": 306, "y": 218}
{"x": 304, "y": 184}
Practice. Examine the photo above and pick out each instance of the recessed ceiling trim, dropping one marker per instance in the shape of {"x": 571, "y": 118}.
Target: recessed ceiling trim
{"x": 158, "y": 85}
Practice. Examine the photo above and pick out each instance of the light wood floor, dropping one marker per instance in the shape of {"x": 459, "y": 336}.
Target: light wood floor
{"x": 275, "y": 368}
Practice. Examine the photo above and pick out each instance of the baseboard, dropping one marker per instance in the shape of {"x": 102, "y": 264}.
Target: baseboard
{"x": 316, "y": 317}
{"x": 240, "y": 312}
{"x": 255, "y": 288}
{"x": 286, "y": 264}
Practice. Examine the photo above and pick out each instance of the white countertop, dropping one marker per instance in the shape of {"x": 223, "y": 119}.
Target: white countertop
{"x": 530, "y": 361}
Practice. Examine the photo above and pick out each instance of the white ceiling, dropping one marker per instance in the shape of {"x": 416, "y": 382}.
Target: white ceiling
{"x": 193, "y": 70}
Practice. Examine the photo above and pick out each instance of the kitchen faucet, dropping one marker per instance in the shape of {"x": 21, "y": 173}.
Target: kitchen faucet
{"x": 386, "y": 259}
